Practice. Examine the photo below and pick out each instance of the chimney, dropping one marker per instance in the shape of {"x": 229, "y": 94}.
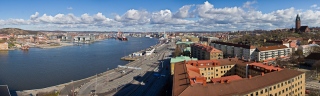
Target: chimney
{"x": 204, "y": 83}
{"x": 230, "y": 60}
{"x": 192, "y": 81}
{"x": 277, "y": 69}
{"x": 283, "y": 66}
{"x": 262, "y": 73}
{"x": 228, "y": 81}
{"x": 249, "y": 77}
{"x": 221, "y": 81}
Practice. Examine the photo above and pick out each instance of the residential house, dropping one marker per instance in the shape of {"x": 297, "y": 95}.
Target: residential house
{"x": 203, "y": 52}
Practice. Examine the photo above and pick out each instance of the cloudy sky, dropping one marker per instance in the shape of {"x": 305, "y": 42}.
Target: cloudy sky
{"x": 157, "y": 15}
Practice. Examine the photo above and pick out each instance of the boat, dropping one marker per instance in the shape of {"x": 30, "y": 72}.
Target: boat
{"x": 121, "y": 37}
{"x": 26, "y": 48}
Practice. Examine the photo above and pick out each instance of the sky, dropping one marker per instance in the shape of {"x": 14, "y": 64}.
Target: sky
{"x": 157, "y": 15}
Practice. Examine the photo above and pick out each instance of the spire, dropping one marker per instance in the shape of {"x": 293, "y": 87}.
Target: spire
{"x": 298, "y": 17}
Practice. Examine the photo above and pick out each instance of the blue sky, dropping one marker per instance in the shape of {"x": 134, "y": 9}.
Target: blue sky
{"x": 156, "y": 15}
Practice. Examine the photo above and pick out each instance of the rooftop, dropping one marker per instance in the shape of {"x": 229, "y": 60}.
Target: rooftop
{"x": 188, "y": 42}
{"x": 181, "y": 58}
{"x": 4, "y": 90}
{"x": 266, "y": 48}
{"x": 206, "y": 48}
{"x": 184, "y": 86}
{"x": 235, "y": 45}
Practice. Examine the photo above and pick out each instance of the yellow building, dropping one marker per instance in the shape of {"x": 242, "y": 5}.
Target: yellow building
{"x": 203, "y": 52}
{"x": 234, "y": 77}
{"x": 178, "y": 59}
{"x": 4, "y": 46}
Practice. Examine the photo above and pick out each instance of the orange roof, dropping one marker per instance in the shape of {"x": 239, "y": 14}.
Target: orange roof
{"x": 268, "y": 67}
{"x": 230, "y": 78}
{"x": 206, "y": 48}
{"x": 265, "y": 48}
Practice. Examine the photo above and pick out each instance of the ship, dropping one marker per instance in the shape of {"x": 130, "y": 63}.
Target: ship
{"x": 26, "y": 48}
{"x": 121, "y": 37}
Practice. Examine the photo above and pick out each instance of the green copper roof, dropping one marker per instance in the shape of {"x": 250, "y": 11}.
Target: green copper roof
{"x": 188, "y": 43}
{"x": 187, "y": 49}
{"x": 181, "y": 58}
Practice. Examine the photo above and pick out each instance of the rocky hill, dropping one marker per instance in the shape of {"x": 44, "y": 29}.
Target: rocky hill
{"x": 16, "y": 31}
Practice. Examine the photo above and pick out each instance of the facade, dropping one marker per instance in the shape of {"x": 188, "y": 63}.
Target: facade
{"x": 306, "y": 49}
{"x": 4, "y": 46}
{"x": 251, "y": 53}
{"x": 179, "y": 59}
{"x": 203, "y": 52}
{"x": 207, "y": 78}
{"x": 245, "y": 52}
{"x": 270, "y": 53}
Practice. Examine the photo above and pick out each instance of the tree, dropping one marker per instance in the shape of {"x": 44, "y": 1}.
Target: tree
{"x": 314, "y": 49}
{"x": 177, "y": 51}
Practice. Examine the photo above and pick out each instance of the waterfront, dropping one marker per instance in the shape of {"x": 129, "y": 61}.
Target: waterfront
{"x": 39, "y": 68}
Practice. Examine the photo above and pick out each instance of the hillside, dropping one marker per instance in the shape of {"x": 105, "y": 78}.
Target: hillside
{"x": 16, "y": 31}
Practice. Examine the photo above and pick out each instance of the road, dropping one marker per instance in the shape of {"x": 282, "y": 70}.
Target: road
{"x": 116, "y": 80}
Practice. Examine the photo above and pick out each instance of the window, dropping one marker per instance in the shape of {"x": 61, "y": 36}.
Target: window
{"x": 274, "y": 87}
{"x": 257, "y": 93}
{"x": 266, "y": 90}
{"x": 216, "y": 70}
{"x": 278, "y": 85}
{"x": 251, "y": 94}
{"x": 216, "y": 74}
{"x": 202, "y": 73}
{"x": 261, "y": 92}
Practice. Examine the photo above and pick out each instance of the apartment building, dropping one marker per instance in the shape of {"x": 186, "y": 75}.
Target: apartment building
{"x": 243, "y": 51}
{"x": 4, "y": 46}
{"x": 241, "y": 79}
{"x": 270, "y": 53}
{"x": 203, "y": 52}
{"x": 179, "y": 59}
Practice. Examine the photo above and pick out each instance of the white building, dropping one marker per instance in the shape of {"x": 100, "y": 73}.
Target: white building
{"x": 270, "y": 53}
{"x": 251, "y": 53}
{"x": 245, "y": 52}
{"x": 150, "y": 51}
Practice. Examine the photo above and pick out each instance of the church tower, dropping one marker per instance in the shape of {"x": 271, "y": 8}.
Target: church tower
{"x": 298, "y": 22}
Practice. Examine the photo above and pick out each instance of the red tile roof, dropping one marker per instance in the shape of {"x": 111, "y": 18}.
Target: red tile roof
{"x": 266, "y": 48}
{"x": 225, "y": 79}
{"x": 206, "y": 48}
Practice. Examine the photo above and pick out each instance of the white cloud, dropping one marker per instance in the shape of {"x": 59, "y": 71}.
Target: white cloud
{"x": 34, "y": 16}
{"x": 314, "y": 6}
{"x": 204, "y": 17}
{"x": 133, "y": 17}
{"x": 69, "y": 8}
{"x": 183, "y": 12}
{"x": 248, "y": 4}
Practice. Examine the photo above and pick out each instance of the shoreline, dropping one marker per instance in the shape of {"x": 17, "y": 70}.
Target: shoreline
{"x": 59, "y": 87}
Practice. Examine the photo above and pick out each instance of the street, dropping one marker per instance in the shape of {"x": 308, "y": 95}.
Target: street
{"x": 126, "y": 81}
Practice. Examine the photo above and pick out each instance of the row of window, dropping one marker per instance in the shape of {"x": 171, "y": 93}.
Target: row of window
{"x": 287, "y": 89}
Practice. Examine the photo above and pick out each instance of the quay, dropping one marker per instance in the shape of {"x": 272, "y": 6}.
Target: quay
{"x": 82, "y": 85}
{"x": 136, "y": 55}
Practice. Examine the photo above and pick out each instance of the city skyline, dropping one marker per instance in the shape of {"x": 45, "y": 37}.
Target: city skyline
{"x": 167, "y": 15}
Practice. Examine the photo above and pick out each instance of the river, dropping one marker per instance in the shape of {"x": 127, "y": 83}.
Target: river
{"x": 39, "y": 68}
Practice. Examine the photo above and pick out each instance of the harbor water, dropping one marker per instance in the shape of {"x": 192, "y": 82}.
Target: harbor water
{"x": 39, "y": 68}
